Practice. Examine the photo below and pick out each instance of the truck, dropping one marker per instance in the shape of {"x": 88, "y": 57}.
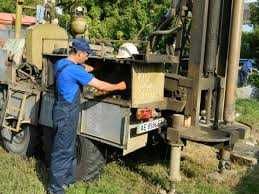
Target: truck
{"x": 184, "y": 93}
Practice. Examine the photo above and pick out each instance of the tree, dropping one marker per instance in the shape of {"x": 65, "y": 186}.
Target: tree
{"x": 107, "y": 19}
{"x": 254, "y": 11}
{"x": 250, "y": 44}
{"x": 250, "y": 41}
{"x": 9, "y": 6}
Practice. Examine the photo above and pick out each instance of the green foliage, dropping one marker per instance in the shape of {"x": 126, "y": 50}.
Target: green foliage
{"x": 254, "y": 80}
{"x": 121, "y": 19}
{"x": 246, "y": 48}
{"x": 115, "y": 19}
{"x": 64, "y": 21}
{"x": 7, "y": 6}
{"x": 254, "y": 11}
{"x": 250, "y": 45}
{"x": 250, "y": 41}
{"x": 249, "y": 110}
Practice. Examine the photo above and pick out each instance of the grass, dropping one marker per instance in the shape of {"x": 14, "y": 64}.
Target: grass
{"x": 18, "y": 175}
{"x": 249, "y": 110}
{"x": 249, "y": 114}
{"x": 144, "y": 172}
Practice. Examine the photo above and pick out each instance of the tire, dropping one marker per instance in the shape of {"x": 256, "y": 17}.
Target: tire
{"x": 90, "y": 160}
{"x": 3, "y": 102}
{"x": 22, "y": 143}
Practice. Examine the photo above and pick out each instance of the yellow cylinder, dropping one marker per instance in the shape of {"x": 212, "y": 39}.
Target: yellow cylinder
{"x": 18, "y": 20}
{"x": 79, "y": 26}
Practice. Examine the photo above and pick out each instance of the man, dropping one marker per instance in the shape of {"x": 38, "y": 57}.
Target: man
{"x": 70, "y": 76}
{"x": 245, "y": 71}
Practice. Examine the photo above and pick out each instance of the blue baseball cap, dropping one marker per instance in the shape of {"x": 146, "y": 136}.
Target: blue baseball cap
{"x": 81, "y": 44}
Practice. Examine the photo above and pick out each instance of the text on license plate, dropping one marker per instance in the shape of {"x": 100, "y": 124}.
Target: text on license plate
{"x": 151, "y": 125}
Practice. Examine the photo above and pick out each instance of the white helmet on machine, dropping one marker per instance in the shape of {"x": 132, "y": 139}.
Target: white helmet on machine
{"x": 126, "y": 50}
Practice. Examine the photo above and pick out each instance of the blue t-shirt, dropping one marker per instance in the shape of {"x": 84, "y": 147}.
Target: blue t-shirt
{"x": 70, "y": 78}
{"x": 247, "y": 66}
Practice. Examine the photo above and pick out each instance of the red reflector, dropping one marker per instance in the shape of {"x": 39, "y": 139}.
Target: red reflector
{"x": 144, "y": 113}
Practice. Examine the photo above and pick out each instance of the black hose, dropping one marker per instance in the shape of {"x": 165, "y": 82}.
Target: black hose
{"x": 164, "y": 32}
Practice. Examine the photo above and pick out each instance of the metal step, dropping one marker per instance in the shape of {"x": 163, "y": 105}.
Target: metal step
{"x": 13, "y": 112}
{"x": 10, "y": 110}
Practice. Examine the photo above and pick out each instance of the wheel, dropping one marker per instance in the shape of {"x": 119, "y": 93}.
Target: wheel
{"x": 90, "y": 160}
{"x": 22, "y": 143}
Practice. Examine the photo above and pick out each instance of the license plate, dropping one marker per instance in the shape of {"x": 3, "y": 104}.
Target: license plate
{"x": 149, "y": 126}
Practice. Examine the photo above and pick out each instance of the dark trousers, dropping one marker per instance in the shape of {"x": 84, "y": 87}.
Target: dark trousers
{"x": 63, "y": 156}
{"x": 243, "y": 76}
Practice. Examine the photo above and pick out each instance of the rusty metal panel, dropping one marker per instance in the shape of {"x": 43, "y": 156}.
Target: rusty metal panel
{"x": 158, "y": 58}
{"x": 104, "y": 121}
{"x": 31, "y": 109}
{"x": 147, "y": 84}
{"x": 136, "y": 143}
{"x": 44, "y": 39}
{"x": 49, "y": 45}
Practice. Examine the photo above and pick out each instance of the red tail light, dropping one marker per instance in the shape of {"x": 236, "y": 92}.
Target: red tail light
{"x": 144, "y": 113}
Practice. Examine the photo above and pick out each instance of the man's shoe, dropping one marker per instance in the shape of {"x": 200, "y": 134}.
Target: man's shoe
{"x": 65, "y": 186}
{"x": 50, "y": 192}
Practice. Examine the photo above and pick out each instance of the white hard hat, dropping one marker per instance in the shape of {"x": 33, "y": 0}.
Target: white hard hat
{"x": 79, "y": 8}
{"x": 126, "y": 50}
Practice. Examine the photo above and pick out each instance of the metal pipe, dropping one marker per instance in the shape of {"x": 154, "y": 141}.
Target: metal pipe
{"x": 175, "y": 158}
{"x": 212, "y": 36}
{"x": 208, "y": 105}
{"x": 217, "y": 104}
{"x": 233, "y": 61}
{"x": 211, "y": 49}
{"x": 18, "y": 20}
{"x": 224, "y": 38}
{"x": 177, "y": 121}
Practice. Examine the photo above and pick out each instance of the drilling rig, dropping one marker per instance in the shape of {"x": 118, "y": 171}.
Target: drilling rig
{"x": 185, "y": 93}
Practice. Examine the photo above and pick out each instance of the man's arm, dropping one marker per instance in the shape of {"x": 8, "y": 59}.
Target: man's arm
{"x": 88, "y": 68}
{"x": 93, "y": 67}
{"x": 105, "y": 86}
{"x": 85, "y": 78}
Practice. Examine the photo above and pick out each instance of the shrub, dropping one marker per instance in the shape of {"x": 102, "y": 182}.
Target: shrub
{"x": 254, "y": 79}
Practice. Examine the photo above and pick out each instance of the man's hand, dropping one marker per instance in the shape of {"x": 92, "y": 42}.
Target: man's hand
{"x": 121, "y": 85}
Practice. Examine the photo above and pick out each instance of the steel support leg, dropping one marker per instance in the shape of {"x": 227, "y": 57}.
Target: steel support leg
{"x": 175, "y": 159}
